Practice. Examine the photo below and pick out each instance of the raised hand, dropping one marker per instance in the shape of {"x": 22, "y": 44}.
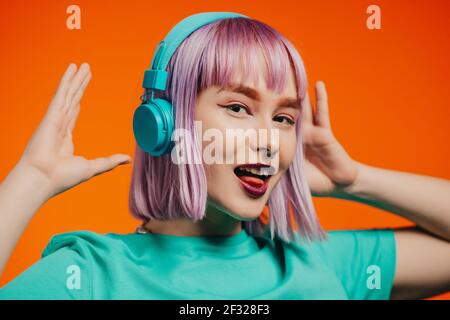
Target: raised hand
{"x": 328, "y": 166}
{"x": 49, "y": 153}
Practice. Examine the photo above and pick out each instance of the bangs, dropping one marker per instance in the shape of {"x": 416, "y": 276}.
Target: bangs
{"x": 248, "y": 48}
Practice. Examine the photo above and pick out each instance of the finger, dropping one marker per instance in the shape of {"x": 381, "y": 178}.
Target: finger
{"x": 75, "y": 85}
{"x": 58, "y": 99}
{"x": 79, "y": 94}
{"x": 73, "y": 121}
{"x": 68, "y": 123}
{"x": 66, "y": 78}
{"x": 104, "y": 164}
{"x": 306, "y": 109}
{"x": 72, "y": 114}
{"x": 322, "y": 117}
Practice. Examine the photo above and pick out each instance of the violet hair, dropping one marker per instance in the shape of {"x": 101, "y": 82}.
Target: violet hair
{"x": 163, "y": 190}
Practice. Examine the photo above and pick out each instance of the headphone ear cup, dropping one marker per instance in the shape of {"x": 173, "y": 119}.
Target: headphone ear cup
{"x": 153, "y": 124}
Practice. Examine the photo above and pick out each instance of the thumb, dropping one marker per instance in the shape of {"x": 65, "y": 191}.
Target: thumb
{"x": 104, "y": 164}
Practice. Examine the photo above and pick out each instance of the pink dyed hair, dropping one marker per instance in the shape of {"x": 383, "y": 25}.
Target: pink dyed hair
{"x": 163, "y": 190}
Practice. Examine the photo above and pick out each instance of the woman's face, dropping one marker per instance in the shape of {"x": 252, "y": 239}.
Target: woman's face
{"x": 248, "y": 107}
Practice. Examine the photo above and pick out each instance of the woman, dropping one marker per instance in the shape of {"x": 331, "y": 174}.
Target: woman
{"x": 201, "y": 237}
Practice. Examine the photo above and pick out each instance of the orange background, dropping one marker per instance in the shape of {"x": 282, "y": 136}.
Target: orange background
{"x": 388, "y": 92}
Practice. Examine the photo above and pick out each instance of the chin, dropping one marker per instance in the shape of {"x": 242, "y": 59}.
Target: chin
{"x": 244, "y": 210}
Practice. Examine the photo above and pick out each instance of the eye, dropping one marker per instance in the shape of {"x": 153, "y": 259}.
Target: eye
{"x": 284, "y": 120}
{"x": 237, "y": 108}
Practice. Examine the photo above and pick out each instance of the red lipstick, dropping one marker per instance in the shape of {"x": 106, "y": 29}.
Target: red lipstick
{"x": 254, "y": 184}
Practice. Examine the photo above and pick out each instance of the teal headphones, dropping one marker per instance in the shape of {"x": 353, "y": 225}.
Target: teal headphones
{"x": 153, "y": 120}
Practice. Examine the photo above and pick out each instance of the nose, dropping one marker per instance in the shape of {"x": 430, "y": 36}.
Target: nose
{"x": 267, "y": 140}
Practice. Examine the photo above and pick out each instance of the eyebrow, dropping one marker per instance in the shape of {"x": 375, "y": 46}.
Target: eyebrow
{"x": 254, "y": 95}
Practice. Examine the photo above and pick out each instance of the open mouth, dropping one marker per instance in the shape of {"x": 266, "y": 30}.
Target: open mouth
{"x": 254, "y": 177}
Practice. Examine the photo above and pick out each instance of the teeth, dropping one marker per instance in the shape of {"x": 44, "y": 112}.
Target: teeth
{"x": 268, "y": 171}
{"x": 258, "y": 171}
{"x": 252, "y": 170}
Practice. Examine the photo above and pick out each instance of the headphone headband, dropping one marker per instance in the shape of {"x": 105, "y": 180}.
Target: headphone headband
{"x": 156, "y": 76}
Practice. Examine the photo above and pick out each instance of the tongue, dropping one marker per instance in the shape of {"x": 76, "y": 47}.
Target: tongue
{"x": 256, "y": 182}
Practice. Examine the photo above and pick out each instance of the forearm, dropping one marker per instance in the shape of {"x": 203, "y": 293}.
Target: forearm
{"x": 422, "y": 199}
{"x": 22, "y": 192}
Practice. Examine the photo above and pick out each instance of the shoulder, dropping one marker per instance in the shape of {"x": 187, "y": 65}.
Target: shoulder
{"x": 84, "y": 242}
{"x": 342, "y": 239}
{"x": 71, "y": 266}
{"x": 368, "y": 242}
{"x": 343, "y": 246}
{"x": 364, "y": 260}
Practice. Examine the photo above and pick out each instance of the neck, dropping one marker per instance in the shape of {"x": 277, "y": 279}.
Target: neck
{"x": 217, "y": 222}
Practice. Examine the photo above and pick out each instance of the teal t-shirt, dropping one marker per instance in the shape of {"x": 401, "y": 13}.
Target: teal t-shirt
{"x": 351, "y": 264}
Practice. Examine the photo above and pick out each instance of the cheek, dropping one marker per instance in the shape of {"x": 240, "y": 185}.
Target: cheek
{"x": 288, "y": 146}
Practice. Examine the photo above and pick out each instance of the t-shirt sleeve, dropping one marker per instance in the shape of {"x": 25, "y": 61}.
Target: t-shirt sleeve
{"x": 364, "y": 260}
{"x": 62, "y": 273}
